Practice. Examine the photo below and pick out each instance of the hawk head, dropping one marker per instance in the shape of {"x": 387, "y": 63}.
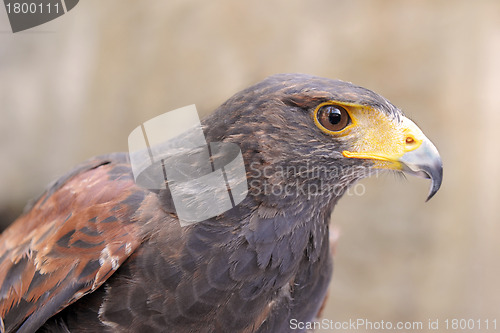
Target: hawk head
{"x": 306, "y": 135}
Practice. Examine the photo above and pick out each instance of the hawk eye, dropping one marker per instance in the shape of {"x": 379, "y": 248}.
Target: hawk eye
{"x": 332, "y": 117}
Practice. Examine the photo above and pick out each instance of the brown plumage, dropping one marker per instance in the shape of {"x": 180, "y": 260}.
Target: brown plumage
{"x": 96, "y": 252}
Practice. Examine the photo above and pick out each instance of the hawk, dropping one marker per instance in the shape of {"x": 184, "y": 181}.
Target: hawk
{"x": 98, "y": 253}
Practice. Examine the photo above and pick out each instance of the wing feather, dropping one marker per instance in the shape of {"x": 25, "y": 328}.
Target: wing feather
{"x": 68, "y": 242}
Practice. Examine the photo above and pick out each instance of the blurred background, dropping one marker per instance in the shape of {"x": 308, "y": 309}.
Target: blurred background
{"x": 77, "y": 86}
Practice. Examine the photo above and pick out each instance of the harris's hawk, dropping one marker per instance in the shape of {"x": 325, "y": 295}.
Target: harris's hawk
{"x": 98, "y": 253}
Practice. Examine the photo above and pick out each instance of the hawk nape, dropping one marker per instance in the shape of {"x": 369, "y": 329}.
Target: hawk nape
{"x": 96, "y": 252}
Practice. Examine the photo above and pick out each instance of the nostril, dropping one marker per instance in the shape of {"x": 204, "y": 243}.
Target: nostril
{"x": 410, "y": 140}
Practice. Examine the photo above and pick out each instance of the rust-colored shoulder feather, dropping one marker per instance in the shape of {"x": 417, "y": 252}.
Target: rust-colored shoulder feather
{"x": 68, "y": 242}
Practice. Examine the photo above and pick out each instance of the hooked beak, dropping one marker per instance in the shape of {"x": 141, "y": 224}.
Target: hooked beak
{"x": 424, "y": 162}
{"x": 399, "y": 146}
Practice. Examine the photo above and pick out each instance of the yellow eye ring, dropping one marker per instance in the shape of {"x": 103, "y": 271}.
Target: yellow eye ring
{"x": 332, "y": 118}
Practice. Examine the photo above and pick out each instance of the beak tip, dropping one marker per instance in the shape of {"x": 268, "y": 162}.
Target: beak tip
{"x": 436, "y": 178}
{"x": 431, "y": 194}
